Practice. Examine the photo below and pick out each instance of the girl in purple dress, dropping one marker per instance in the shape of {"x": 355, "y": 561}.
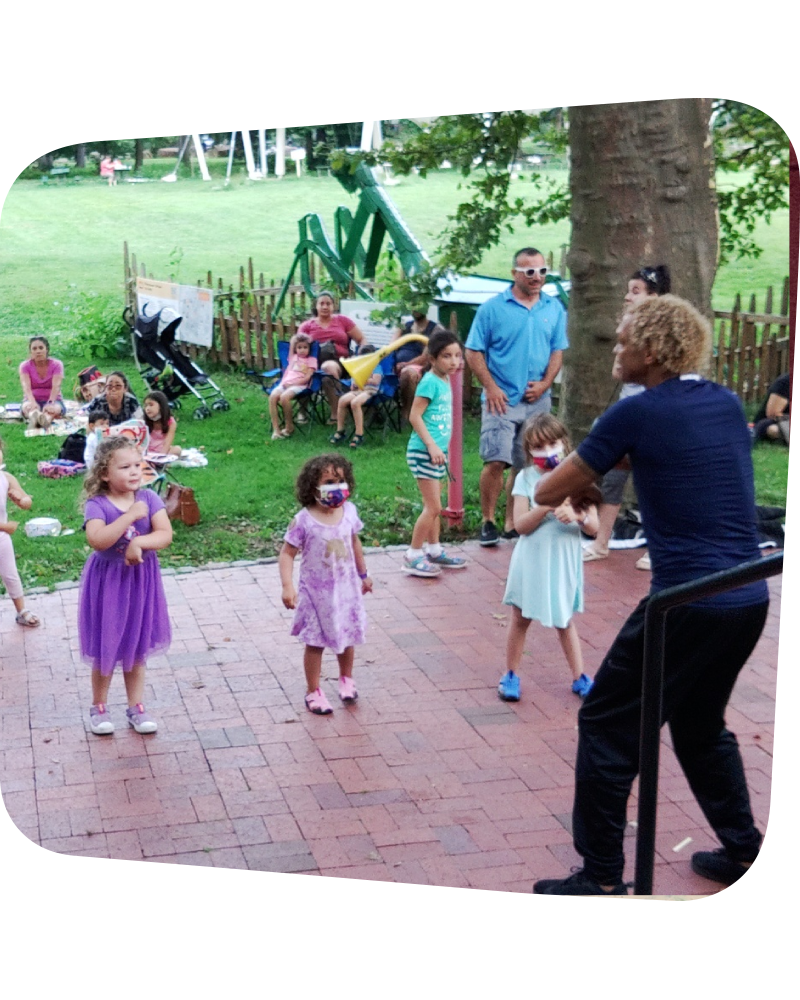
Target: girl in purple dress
{"x": 122, "y": 611}
{"x": 333, "y": 575}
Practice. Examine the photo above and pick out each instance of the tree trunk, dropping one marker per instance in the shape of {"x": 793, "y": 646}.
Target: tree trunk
{"x": 311, "y": 160}
{"x": 138, "y": 160}
{"x": 80, "y": 154}
{"x": 45, "y": 162}
{"x": 642, "y": 185}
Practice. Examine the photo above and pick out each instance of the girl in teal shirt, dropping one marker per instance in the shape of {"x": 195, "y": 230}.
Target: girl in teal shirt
{"x": 432, "y": 422}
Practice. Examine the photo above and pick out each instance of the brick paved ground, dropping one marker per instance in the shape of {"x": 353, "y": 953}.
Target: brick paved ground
{"x": 427, "y": 779}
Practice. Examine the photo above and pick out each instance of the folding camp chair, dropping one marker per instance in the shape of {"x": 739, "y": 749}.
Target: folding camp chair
{"x": 383, "y": 410}
{"x": 308, "y": 403}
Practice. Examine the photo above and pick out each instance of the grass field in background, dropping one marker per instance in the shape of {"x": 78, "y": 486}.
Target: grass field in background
{"x": 57, "y": 237}
{"x": 62, "y": 240}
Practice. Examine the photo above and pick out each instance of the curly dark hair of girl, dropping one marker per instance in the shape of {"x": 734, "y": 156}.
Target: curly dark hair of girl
{"x": 314, "y": 469}
{"x": 96, "y": 480}
{"x": 164, "y": 414}
{"x": 656, "y": 278}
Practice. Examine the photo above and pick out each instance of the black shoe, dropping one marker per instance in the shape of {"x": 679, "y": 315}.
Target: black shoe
{"x": 718, "y": 866}
{"x": 511, "y": 533}
{"x": 576, "y": 884}
{"x": 489, "y": 533}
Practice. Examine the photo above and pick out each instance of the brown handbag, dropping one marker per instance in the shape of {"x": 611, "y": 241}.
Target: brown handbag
{"x": 181, "y": 505}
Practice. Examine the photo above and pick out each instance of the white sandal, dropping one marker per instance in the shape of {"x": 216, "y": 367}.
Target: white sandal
{"x": 28, "y": 619}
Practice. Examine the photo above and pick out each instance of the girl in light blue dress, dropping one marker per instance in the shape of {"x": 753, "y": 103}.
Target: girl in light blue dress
{"x": 545, "y": 577}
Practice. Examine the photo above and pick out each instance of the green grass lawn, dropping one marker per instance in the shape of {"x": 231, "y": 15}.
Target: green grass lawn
{"x": 58, "y": 241}
{"x": 245, "y": 494}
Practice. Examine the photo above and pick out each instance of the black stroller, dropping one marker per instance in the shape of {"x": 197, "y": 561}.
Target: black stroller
{"x": 166, "y": 369}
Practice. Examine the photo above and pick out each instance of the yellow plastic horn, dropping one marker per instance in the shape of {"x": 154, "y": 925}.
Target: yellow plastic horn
{"x": 362, "y": 366}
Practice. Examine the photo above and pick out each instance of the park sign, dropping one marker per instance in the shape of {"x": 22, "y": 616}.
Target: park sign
{"x": 195, "y": 306}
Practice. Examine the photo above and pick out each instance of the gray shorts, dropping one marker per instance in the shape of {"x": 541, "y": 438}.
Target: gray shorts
{"x": 501, "y": 437}
{"x": 613, "y": 485}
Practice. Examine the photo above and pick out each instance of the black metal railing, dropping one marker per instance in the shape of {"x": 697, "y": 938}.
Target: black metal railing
{"x": 652, "y": 692}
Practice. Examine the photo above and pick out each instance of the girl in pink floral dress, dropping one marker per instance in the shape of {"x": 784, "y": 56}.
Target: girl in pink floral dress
{"x": 328, "y": 601}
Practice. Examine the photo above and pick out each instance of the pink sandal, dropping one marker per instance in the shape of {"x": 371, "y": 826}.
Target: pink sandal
{"x": 347, "y": 690}
{"x": 317, "y": 703}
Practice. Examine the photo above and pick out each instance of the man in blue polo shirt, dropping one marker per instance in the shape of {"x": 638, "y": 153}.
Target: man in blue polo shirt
{"x": 515, "y": 348}
{"x": 689, "y": 449}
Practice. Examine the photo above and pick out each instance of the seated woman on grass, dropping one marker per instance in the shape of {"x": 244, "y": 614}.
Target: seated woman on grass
{"x": 41, "y": 377}
{"x": 117, "y": 402}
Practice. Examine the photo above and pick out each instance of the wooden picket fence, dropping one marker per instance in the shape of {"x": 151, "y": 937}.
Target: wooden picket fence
{"x": 751, "y": 348}
{"x": 245, "y": 333}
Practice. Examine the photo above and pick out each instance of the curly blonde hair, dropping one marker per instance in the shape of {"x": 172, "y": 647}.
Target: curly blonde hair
{"x": 96, "y": 481}
{"x": 677, "y": 334}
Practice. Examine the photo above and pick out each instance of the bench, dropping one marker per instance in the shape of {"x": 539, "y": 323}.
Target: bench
{"x": 56, "y": 173}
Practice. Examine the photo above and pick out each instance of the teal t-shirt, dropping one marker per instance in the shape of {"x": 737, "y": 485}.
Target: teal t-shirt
{"x": 438, "y": 415}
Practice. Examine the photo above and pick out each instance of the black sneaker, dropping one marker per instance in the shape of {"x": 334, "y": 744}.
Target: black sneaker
{"x": 576, "y": 884}
{"x": 489, "y": 533}
{"x": 718, "y": 866}
{"x": 510, "y": 533}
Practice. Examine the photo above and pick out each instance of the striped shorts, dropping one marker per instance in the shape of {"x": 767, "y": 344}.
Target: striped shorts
{"x": 422, "y": 467}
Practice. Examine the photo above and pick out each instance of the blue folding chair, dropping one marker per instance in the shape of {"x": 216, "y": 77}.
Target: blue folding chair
{"x": 308, "y": 403}
{"x": 385, "y": 404}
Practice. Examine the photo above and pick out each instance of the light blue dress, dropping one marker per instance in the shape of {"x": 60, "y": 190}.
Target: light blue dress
{"x": 545, "y": 576}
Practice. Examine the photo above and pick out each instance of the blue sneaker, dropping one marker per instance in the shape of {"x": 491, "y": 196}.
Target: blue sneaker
{"x": 449, "y": 562}
{"x": 509, "y": 687}
{"x": 421, "y": 566}
{"x": 583, "y": 685}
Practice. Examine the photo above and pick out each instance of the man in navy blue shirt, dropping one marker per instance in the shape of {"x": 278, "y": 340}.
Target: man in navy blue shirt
{"x": 689, "y": 449}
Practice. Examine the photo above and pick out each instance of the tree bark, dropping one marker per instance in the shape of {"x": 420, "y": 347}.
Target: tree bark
{"x": 80, "y": 154}
{"x": 138, "y": 155}
{"x": 642, "y": 186}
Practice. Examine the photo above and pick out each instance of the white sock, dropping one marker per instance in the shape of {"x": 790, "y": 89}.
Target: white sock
{"x": 412, "y": 554}
{"x": 435, "y": 550}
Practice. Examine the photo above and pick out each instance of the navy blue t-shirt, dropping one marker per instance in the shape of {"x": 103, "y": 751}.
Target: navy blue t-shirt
{"x": 690, "y": 453}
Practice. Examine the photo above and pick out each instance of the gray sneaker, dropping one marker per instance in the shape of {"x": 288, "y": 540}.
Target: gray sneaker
{"x": 448, "y": 562}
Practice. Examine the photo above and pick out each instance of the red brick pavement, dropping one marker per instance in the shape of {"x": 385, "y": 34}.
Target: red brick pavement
{"x": 427, "y": 779}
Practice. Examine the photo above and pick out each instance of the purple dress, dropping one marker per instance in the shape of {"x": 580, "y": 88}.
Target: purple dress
{"x": 330, "y": 606}
{"x": 122, "y": 610}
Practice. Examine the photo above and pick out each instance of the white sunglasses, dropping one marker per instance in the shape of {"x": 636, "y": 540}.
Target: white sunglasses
{"x": 531, "y": 272}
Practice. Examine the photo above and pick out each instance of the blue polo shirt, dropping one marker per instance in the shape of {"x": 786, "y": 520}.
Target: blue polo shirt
{"x": 516, "y": 341}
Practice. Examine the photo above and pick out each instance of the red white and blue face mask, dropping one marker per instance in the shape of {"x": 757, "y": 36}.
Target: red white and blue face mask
{"x": 546, "y": 459}
{"x": 333, "y": 495}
